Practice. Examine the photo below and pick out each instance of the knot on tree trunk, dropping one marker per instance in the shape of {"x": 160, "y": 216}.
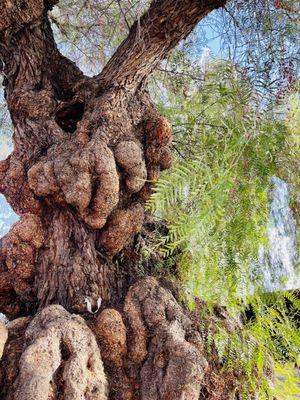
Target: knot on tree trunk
{"x": 104, "y": 171}
{"x": 150, "y": 348}
{"x": 17, "y": 263}
{"x": 96, "y": 172}
{"x": 159, "y": 355}
{"x": 61, "y": 360}
{"x": 85, "y": 178}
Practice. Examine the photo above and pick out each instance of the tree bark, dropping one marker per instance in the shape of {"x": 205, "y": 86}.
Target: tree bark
{"x": 86, "y": 153}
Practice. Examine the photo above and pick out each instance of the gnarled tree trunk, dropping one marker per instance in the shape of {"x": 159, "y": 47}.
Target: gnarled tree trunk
{"x": 86, "y": 153}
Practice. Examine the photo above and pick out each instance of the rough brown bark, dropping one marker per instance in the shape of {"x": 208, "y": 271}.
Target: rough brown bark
{"x": 86, "y": 154}
{"x": 151, "y": 38}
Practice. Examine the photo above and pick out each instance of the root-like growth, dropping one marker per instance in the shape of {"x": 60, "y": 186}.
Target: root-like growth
{"x": 111, "y": 333}
{"x": 61, "y": 356}
{"x": 164, "y": 340}
{"x": 160, "y": 353}
{"x": 151, "y": 350}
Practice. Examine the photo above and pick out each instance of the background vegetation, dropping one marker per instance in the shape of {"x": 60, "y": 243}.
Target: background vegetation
{"x": 215, "y": 202}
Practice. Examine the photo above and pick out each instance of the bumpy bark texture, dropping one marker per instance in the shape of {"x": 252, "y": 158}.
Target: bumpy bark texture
{"x": 150, "y": 348}
{"x": 60, "y": 357}
{"x": 87, "y": 152}
{"x": 163, "y": 374}
{"x": 147, "y": 357}
{"x": 57, "y": 339}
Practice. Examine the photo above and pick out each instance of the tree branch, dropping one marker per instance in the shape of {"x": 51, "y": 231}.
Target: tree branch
{"x": 36, "y": 79}
{"x": 152, "y": 37}
{"x": 29, "y": 54}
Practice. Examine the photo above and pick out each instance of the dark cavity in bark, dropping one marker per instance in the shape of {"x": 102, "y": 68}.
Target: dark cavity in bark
{"x": 68, "y": 116}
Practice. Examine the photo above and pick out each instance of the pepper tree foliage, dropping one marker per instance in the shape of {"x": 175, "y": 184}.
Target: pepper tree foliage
{"x": 215, "y": 203}
{"x": 230, "y": 137}
{"x": 260, "y": 36}
{"x": 215, "y": 200}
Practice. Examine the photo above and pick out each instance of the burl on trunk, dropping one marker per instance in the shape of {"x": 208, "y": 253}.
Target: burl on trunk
{"x": 86, "y": 154}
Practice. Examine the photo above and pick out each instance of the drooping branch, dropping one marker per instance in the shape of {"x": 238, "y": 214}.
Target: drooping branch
{"x": 152, "y": 37}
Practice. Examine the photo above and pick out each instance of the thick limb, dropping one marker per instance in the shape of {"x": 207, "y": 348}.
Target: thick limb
{"x": 151, "y": 38}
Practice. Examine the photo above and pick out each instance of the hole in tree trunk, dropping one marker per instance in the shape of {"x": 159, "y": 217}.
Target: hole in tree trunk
{"x": 204, "y": 394}
{"x": 68, "y": 116}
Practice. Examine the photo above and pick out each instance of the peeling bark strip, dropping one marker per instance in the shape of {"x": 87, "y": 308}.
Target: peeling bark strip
{"x": 86, "y": 153}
